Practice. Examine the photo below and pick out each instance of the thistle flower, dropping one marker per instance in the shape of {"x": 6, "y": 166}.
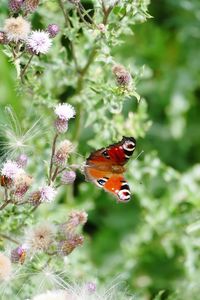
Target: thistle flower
{"x": 15, "y": 5}
{"x": 39, "y": 42}
{"x": 122, "y": 76}
{"x": 68, "y": 177}
{"x": 66, "y": 247}
{"x": 10, "y": 169}
{"x": 55, "y": 295}
{"x": 21, "y": 184}
{"x": 30, "y": 5}
{"x": 53, "y": 30}
{"x": 63, "y": 152}
{"x": 47, "y": 194}
{"x": 75, "y": 219}
{"x": 5, "y": 267}
{"x": 16, "y": 29}
{"x": 18, "y": 254}
{"x": 40, "y": 238}
{"x": 22, "y": 160}
{"x": 65, "y": 111}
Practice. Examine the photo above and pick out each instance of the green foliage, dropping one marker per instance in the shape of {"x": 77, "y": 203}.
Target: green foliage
{"x": 152, "y": 242}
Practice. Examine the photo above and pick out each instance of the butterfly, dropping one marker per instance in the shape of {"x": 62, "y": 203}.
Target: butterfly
{"x": 105, "y": 167}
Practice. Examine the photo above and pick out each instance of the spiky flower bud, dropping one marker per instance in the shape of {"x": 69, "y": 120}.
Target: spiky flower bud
{"x": 68, "y": 177}
{"x": 122, "y": 76}
{"x": 21, "y": 184}
{"x": 66, "y": 247}
{"x": 53, "y": 30}
{"x": 63, "y": 152}
{"x": 75, "y": 219}
{"x": 30, "y": 5}
{"x": 18, "y": 254}
{"x": 61, "y": 125}
{"x": 15, "y": 5}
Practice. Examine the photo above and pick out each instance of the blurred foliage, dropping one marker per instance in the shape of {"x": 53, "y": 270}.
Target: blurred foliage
{"x": 152, "y": 242}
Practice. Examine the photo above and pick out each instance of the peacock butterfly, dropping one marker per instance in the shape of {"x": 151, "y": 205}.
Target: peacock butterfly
{"x": 105, "y": 167}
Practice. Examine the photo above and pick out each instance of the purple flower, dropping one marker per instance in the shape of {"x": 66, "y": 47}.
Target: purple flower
{"x": 10, "y": 169}
{"x": 39, "y": 42}
{"x": 65, "y": 111}
{"x": 48, "y": 193}
{"x": 53, "y": 30}
{"x": 68, "y": 177}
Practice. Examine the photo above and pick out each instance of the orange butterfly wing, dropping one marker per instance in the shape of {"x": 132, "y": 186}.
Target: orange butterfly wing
{"x": 105, "y": 168}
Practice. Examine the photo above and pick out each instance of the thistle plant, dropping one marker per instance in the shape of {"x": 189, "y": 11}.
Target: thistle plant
{"x": 77, "y": 76}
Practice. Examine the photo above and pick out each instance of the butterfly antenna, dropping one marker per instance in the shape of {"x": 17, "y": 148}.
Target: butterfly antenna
{"x": 139, "y": 154}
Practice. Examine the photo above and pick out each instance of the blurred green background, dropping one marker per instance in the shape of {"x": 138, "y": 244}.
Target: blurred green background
{"x": 153, "y": 242}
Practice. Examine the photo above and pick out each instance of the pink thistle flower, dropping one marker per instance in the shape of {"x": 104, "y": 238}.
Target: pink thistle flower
{"x": 68, "y": 177}
{"x": 10, "y": 169}
{"x": 65, "y": 111}
{"x": 39, "y": 42}
{"x": 53, "y": 30}
{"x": 48, "y": 194}
{"x": 62, "y": 153}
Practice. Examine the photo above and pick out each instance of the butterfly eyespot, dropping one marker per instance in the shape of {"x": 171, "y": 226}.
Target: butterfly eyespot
{"x": 124, "y": 195}
{"x": 105, "y": 154}
{"x": 101, "y": 182}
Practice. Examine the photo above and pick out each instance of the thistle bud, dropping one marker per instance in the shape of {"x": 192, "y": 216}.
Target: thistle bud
{"x": 61, "y": 125}
{"x": 18, "y": 255}
{"x": 30, "y": 5}
{"x": 76, "y": 218}
{"x": 15, "y": 5}
{"x": 53, "y": 30}
{"x": 66, "y": 247}
{"x": 122, "y": 76}
{"x": 62, "y": 153}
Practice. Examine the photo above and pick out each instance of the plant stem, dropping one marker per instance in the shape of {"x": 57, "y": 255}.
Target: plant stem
{"x": 9, "y": 238}
{"x": 25, "y": 68}
{"x": 5, "y": 204}
{"x": 67, "y": 21}
{"x": 52, "y": 155}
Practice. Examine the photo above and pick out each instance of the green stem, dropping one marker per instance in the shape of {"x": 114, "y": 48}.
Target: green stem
{"x": 52, "y": 155}
{"x": 25, "y": 68}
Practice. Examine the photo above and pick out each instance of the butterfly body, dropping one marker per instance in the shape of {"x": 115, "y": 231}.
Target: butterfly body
{"x": 105, "y": 167}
